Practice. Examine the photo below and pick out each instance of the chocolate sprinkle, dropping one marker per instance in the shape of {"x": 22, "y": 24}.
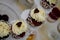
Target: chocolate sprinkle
{"x": 36, "y": 10}
{"x": 19, "y": 24}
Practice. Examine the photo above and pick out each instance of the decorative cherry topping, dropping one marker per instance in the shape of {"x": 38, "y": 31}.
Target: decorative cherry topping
{"x": 5, "y": 17}
{"x": 36, "y": 10}
{"x": 19, "y": 24}
{"x": 22, "y": 35}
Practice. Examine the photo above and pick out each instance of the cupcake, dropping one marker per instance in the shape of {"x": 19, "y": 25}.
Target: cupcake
{"x": 19, "y": 29}
{"x": 36, "y": 17}
{"x": 48, "y": 3}
{"x": 54, "y": 15}
{"x": 4, "y": 30}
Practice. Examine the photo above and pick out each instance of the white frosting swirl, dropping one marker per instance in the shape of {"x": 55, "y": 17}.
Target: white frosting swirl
{"x": 18, "y": 30}
{"x": 4, "y": 29}
{"x": 39, "y": 17}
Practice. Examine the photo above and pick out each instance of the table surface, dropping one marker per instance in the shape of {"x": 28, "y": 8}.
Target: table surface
{"x": 14, "y": 5}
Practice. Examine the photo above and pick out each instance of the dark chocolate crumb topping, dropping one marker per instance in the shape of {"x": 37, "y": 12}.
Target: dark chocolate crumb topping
{"x": 36, "y": 10}
{"x": 19, "y": 24}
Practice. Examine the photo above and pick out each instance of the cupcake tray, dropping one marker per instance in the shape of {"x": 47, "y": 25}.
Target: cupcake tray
{"x": 44, "y": 32}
